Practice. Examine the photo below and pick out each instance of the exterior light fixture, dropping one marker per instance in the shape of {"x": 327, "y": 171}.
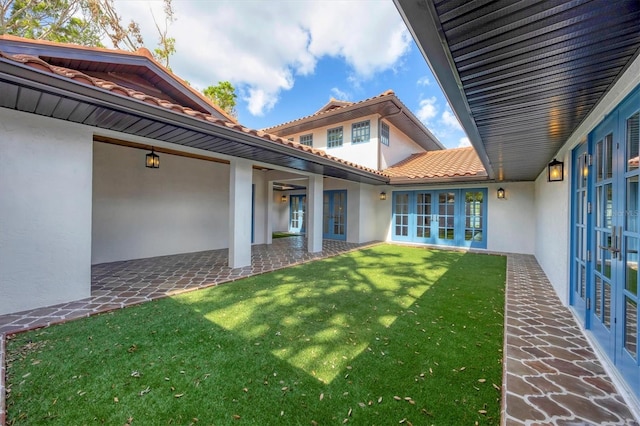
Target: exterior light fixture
{"x": 283, "y": 198}
{"x": 383, "y": 196}
{"x": 152, "y": 160}
{"x": 501, "y": 194}
{"x": 555, "y": 171}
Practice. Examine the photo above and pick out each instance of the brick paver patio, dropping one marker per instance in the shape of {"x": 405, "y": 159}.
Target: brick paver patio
{"x": 551, "y": 377}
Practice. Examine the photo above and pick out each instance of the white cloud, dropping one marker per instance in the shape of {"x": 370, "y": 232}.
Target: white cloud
{"x": 450, "y": 120}
{"x": 424, "y": 81}
{"x": 427, "y": 110}
{"x": 263, "y": 46}
{"x": 340, "y": 95}
{"x": 464, "y": 142}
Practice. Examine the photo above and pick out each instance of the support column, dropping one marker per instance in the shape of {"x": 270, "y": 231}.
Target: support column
{"x": 268, "y": 227}
{"x": 314, "y": 214}
{"x": 241, "y": 174}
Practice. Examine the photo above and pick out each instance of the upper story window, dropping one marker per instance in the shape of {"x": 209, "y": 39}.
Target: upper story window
{"x": 360, "y": 132}
{"x": 384, "y": 134}
{"x": 306, "y": 139}
{"x": 334, "y": 137}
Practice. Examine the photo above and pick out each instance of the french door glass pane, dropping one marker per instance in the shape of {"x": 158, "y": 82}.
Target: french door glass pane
{"x": 473, "y": 213}
{"x": 608, "y": 207}
{"x": 423, "y": 215}
{"x": 606, "y": 305}
{"x": 402, "y": 215}
{"x": 632, "y": 207}
{"x": 608, "y": 164}
{"x": 446, "y": 215}
{"x": 599, "y": 160}
{"x": 338, "y": 213}
{"x": 631, "y": 327}
{"x": 631, "y": 251}
{"x": 633, "y": 141}
{"x": 598, "y": 298}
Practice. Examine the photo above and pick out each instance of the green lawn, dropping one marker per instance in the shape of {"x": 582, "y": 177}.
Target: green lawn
{"x": 385, "y": 335}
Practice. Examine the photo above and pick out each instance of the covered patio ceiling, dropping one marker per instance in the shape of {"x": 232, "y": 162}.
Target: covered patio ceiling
{"x": 522, "y": 75}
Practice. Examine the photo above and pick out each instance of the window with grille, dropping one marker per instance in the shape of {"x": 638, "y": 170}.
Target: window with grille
{"x": 334, "y": 137}
{"x": 306, "y": 139}
{"x": 384, "y": 134}
{"x": 360, "y": 132}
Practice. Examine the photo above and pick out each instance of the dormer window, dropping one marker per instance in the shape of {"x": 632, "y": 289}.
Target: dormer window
{"x": 360, "y": 132}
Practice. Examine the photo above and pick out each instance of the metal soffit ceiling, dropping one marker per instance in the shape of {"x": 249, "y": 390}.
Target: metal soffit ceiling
{"x": 32, "y": 91}
{"x": 522, "y": 75}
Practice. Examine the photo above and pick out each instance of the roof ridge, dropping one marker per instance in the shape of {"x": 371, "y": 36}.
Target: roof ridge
{"x": 114, "y": 88}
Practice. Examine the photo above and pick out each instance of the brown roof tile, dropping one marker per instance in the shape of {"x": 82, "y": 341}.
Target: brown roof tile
{"x": 444, "y": 164}
{"x": 79, "y": 77}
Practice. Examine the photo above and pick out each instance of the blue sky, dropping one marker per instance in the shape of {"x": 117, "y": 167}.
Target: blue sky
{"x": 287, "y": 58}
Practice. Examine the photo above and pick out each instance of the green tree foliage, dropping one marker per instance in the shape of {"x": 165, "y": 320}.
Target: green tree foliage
{"x": 224, "y": 95}
{"x": 84, "y": 22}
{"x": 166, "y": 45}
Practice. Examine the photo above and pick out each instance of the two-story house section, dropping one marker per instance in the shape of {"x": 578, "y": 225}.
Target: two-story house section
{"x": 376, "y": 133}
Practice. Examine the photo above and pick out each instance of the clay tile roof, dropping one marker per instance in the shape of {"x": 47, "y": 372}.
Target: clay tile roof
{"x": 79, "y": 77}
{"x": 333, "y": 105}
{"x": 448, "y": 163}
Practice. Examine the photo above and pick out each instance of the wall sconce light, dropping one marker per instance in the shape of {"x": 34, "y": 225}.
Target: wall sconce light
{"x": 501, "y": 194}
{"x": 152, "y": 160}
{"x": 283, "y": 198}
{"x": 383, "y": 196}
{"x": 555, "y": 171}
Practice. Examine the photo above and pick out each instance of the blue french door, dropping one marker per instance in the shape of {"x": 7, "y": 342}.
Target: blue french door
{"x": 334, "y": 215}
{"x": 455, "y": 217}
{"x": 297, "y": 211}
{"x": 609, "y": 277}
{"x": 580, "y": 261}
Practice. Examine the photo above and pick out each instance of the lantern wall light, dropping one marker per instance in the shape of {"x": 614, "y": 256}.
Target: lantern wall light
{"x": 283, "y": 198}
{"x": 501, "y": 194}
{"x": 555, "y": 171}
{"x": 383, "y": 196}
{"x": 152, "y": 160}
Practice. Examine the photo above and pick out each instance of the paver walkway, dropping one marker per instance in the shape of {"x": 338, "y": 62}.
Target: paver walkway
{"x": 552, "y": 376}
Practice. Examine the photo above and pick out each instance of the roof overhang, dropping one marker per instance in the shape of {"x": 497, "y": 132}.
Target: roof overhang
{"x": 522, "y": 76}
{"x": 92, "y": 60}
{"x": 387, "y": 107}
{"x": 33, "y": 91}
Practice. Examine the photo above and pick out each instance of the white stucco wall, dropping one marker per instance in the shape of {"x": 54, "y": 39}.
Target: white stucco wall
{"x": 365, "y": 153}
{"x": 400, "y": 147}
{"x": 138, "y": 212}
{"x": 45, "y": 211}
{"x": 512, "y": 220}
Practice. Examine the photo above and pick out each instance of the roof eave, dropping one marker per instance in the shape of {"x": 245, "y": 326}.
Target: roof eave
{"x": 84, "y": 53}
{"x": 43, "y": 82}
{"x": 438, "y": 180}
{"x": 430, "y": 40}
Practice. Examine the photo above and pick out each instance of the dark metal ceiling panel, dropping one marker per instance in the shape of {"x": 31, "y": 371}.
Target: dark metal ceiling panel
{"x": 522, "y": 75}
{"x": 8, "y": 95}
{"x": 28, "y": 100}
